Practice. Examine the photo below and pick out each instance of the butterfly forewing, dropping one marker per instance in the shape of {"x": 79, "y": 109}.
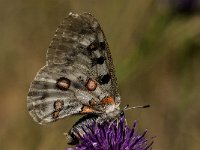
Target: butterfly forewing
{"x": 79, "y": 72}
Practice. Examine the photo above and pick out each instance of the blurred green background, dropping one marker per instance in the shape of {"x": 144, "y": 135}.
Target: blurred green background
{"x": 155, "y": 46}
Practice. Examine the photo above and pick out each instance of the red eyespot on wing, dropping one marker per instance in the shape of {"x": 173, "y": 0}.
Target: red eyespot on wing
{"x": 58, "y": 105}
{"x": 91, "y": 85}
{"x": 63, "y": 83}
{"x": 55, "y": 114}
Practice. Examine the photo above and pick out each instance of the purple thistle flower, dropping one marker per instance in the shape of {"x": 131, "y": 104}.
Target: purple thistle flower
{"x": 116, "y": 135}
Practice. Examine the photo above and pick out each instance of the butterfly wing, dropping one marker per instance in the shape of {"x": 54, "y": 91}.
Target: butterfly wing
{"x": 79, "y": 72}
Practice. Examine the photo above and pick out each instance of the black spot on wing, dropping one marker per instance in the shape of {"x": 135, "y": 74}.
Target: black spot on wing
{"x": 100, "y": 60}
{"x": 93, "y": 46}
{"x": 102, "y": 45}
{"x": 104, "y": 79}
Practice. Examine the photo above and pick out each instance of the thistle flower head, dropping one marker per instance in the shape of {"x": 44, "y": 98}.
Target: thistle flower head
{"x": 116, "y": 135}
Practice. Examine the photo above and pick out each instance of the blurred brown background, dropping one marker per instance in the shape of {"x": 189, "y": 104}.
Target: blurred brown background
{"x": 155, "y": 46}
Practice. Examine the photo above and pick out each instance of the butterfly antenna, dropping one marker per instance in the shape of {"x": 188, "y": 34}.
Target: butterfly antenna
{"x": 128, "y": 108}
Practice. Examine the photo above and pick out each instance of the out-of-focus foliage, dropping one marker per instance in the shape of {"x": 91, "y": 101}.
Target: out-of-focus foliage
{"x": 155, "y": 46}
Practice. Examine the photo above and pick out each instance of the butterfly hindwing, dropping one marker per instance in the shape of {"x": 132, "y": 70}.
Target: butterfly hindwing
{"x": 78, "y": 75}
{"x": 44, "y": 96}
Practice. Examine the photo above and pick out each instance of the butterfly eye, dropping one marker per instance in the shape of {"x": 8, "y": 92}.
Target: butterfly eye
{"x": 93, "y": 46}
{"x": 122, "y": 113}
{"x": 105, "y": 79}
{"x": 91, "y": 85}
{"x": 63, "y": 83}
